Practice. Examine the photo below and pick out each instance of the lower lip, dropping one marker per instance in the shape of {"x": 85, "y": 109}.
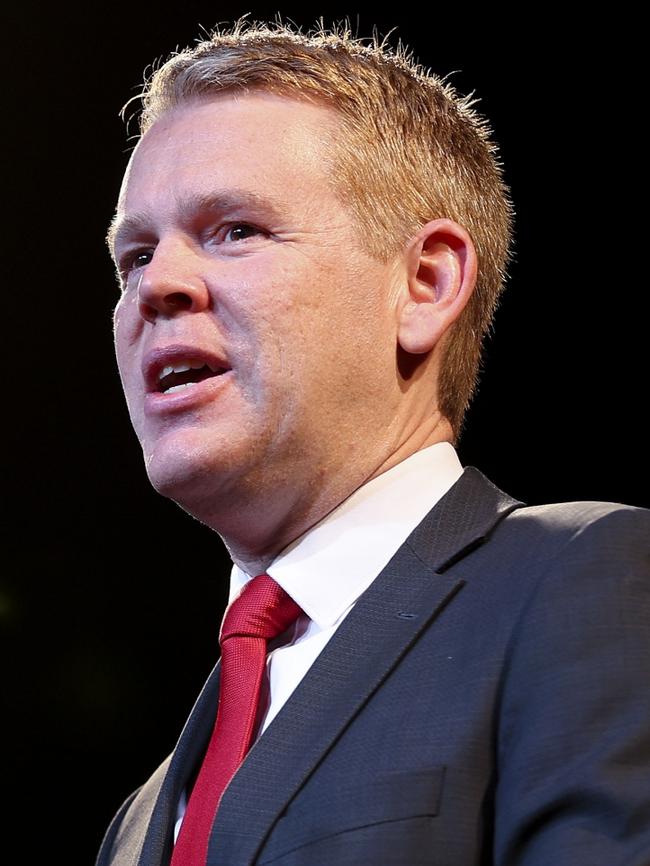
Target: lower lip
{"x": 159, "y": 403}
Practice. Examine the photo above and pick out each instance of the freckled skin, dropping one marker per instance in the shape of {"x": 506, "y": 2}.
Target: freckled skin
{"x": 306, "y": 318}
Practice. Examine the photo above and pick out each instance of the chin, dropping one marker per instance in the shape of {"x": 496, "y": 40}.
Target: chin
{"x": 190, "y": 470}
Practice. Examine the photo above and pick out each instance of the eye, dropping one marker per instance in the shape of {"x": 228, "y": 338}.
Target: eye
{"x": 135, "y": 260}
{"x": 141, "y": 259}
{"x": 240, "y": 232}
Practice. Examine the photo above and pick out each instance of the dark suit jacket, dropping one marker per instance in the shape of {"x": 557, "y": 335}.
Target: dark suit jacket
{"x": 486, "y": 701}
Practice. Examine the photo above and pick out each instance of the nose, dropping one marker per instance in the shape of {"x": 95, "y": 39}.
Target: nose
{"x": 171, "y": 283}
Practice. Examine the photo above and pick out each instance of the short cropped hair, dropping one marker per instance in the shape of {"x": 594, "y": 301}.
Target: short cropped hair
{"x": 410, "y": 150}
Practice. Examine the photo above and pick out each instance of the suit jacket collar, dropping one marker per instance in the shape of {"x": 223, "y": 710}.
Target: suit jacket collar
{"x": 386, "y": 620}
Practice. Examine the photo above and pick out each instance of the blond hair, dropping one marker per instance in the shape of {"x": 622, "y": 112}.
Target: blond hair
{"x": 410, "y": 150}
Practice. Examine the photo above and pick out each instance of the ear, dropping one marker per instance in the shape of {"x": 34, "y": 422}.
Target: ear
{"x": 441, "y": 268}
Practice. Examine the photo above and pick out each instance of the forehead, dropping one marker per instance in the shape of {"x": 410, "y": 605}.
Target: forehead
{"x": 260, "y": 141}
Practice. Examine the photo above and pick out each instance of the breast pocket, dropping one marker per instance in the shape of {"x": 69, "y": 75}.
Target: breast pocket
{"x": 316, "y": 819}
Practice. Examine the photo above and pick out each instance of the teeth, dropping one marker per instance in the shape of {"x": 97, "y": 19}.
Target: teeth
{"x": 180, "y": 387}
{"x": 180, "y": 368}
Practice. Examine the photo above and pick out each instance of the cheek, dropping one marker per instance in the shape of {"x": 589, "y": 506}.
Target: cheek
{"x": 123, "y": 357}
{"x": 127, "y": 321}
{"x": 127, "y": 328}
{"x": 128, "y": 364}
{"x": 261, "y": 325}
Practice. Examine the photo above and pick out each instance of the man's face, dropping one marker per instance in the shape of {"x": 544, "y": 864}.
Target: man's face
{"x": 255, "y": 337}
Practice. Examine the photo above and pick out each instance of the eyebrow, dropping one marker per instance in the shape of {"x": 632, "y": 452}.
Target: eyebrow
{"x": 216, "y": 202}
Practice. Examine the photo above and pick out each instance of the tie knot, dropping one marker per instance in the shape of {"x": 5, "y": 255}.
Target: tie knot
{"x": 263, "y": 609}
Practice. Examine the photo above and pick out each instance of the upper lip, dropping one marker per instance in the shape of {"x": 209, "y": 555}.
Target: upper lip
{"x": 157, "y": 359}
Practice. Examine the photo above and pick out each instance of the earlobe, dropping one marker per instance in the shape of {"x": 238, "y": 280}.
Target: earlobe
{"x": 441, "y": 275}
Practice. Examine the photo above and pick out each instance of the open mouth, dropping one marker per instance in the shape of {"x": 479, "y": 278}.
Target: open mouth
{"x": 186, "y": 374}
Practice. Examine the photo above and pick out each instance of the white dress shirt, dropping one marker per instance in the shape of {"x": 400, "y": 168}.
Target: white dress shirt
{"x": 327, "y": 568}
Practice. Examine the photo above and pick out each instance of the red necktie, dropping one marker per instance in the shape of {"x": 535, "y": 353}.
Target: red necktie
{"x": 261, "y": 612}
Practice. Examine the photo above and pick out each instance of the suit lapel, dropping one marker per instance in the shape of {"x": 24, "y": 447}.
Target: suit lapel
{"x": 193, "y": 741}
{"x": 384, "y": 623}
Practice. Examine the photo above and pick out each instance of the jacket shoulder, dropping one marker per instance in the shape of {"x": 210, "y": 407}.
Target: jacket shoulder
{"x": 548, "y": 529}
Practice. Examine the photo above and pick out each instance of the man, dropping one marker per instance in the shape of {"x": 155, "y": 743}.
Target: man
{"x": 311, "y": 238}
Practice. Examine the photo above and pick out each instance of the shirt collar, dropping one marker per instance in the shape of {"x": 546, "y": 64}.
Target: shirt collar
{"x": 327, "y": 568}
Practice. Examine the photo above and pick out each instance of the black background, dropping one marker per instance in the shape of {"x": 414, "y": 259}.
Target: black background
{"x": 111, "y": 601}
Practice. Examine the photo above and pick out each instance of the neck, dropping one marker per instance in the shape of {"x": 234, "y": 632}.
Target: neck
{"x": 255, "y": 533}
